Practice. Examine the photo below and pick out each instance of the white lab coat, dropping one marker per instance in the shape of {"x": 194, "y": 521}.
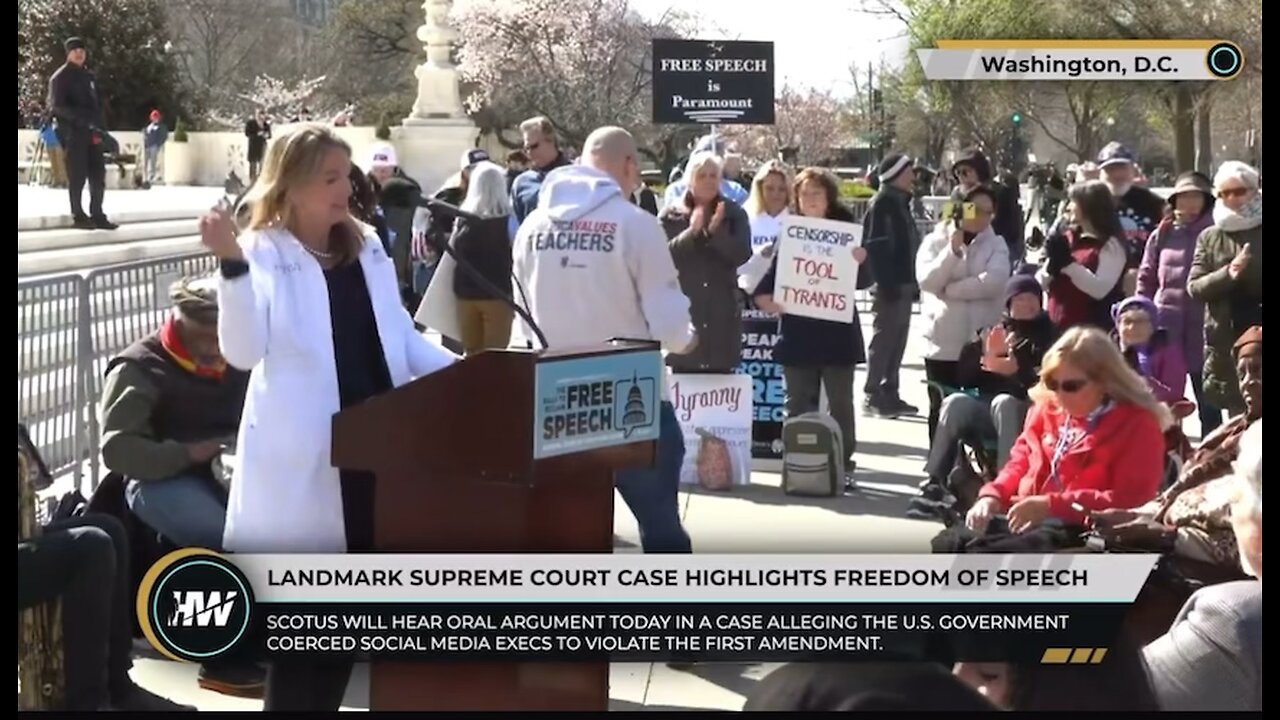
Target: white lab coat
{"x": 286, "y": 496}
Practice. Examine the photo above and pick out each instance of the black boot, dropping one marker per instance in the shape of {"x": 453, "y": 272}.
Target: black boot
{"x": 240, "y": 679}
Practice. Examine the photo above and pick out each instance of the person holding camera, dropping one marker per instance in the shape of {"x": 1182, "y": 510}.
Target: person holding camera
{"x": 963, "y": 266}
{"x": 77, "y": 108}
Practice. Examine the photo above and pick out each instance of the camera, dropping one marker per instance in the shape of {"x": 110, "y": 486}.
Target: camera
{"x": 959, "y": 211}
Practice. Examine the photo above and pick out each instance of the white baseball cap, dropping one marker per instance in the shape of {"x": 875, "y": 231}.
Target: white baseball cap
{"x": 383, "y": 155}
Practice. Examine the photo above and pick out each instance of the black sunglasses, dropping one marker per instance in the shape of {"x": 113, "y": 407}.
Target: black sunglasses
{"x": 1073, "y": 385}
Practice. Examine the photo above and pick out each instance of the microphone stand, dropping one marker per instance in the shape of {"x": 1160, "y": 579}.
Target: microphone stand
{"x": 448, "y": 210}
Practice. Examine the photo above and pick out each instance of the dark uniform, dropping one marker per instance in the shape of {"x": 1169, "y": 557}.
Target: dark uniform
{"x": 73, "y": 98}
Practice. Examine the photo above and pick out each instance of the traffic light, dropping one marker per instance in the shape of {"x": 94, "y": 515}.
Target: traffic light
{"x": 1016, "y": 118}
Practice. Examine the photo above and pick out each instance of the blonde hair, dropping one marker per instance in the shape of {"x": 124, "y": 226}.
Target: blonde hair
{"x": 487, "y": 191}
{"x": 1090, "y": 350}
{"x": 293, "y": 160}
{"x": 544, "y": 127}
{"x": 700, "y": 160}
{"x": 754, "y": 204}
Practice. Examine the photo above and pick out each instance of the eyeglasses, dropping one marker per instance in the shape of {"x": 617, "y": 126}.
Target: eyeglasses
{"x": 1074, "y": 385}
{"x": 1225, "y": 193}
{"x": 1135, "y": 322}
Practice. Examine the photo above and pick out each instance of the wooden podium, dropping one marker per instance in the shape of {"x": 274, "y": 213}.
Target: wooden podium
{"x": 454, "y": 458}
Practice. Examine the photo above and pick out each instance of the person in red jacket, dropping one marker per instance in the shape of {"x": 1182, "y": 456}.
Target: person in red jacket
{"x": 1093, "y": 440}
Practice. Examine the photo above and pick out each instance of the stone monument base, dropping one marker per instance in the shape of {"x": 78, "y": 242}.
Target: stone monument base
{"x": 430, "y": 150}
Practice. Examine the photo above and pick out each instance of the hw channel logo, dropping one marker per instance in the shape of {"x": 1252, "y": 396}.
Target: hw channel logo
{"x": 194, "y": 605}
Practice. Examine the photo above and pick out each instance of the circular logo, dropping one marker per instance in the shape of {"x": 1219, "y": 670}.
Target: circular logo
{"x": 777, "y": 446}
{"x": 1225, "y": 60}
{"x": 194, "y": 605}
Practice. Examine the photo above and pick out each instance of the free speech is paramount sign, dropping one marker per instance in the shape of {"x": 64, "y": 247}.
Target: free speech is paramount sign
{"x": 713, "y": 81}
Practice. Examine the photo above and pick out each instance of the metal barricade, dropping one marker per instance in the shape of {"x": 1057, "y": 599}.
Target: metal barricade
{"x": 126, "y": 303}
{"x": 69, "y": 326}
{"x": 50, "y": 399}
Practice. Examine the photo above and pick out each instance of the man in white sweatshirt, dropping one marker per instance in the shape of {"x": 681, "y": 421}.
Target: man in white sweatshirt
{"x": 593, "y": 266}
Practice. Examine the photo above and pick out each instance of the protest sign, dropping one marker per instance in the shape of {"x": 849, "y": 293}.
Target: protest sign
{"x": 715, "y": 414}
{"x": 768, "y": 394}
{"x": 713, "y": 81}
{"x": 817, "y": 274}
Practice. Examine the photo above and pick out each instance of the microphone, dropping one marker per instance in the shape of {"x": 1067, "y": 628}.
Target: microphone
{"x": 447, "y": 210}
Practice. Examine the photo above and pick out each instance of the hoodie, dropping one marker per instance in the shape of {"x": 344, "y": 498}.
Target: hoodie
{"x": 593, "y": 266}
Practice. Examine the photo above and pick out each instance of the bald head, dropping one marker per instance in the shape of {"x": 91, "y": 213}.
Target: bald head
{"x": 613, "y": 150}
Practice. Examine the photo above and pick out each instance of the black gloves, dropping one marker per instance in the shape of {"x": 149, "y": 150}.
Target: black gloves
{"x": 1057, "y": 251}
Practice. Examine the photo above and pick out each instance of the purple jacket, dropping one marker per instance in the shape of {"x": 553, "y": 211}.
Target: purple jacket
{"x": 1160, "y": 364}
{"x": 1162, "y": 278}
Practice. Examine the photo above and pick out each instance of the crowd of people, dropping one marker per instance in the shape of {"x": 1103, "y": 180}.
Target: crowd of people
{"x": 1065, "y": 381}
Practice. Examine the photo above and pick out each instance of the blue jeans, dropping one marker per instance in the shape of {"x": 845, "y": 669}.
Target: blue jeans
{"x": 151, "y": 164}
{"x": 653, "y": 494}
{"x": 187, "y": 510}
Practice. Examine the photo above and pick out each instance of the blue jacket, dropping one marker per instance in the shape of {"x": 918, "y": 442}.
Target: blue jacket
{"x": 155, "y": 135}
{"x": 729, "y": 190}
{"x": 524, "y": 191}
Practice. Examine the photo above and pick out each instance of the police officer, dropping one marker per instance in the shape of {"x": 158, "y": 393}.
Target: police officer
{"x": 77, "y": 109}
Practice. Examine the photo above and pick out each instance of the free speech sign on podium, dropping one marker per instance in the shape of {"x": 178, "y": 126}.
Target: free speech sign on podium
{"x": 596, "y": 401}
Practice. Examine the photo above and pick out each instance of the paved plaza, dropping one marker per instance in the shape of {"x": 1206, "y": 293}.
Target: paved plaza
{"x": 753, "y": 519}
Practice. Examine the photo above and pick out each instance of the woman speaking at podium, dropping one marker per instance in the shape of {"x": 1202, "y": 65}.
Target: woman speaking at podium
{"x": 310, "y": 304}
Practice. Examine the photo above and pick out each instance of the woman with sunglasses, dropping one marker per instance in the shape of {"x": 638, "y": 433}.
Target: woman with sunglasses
{"x": 1094, "y": 440}
{"x": 1226, "y": 275}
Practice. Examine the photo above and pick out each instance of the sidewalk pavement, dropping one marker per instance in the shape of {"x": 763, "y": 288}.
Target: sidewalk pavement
{"x": 753, "y": 519}
{"x": 51, "y": 204}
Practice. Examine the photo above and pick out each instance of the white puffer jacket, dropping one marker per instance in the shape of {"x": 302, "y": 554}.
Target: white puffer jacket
{"x": 963, "y": 294}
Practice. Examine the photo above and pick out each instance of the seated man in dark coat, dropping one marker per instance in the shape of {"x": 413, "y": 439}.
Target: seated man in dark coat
{"x": 170, "y": 405}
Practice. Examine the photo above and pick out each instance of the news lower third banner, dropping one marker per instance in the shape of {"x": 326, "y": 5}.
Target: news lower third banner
{"x": 197, "y": 605}
{"x": 1165, "y": 60}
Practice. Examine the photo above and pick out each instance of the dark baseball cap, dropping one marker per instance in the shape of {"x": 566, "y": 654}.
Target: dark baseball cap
{"x": 74, "y": 43}
{"x": 473, "y": 157}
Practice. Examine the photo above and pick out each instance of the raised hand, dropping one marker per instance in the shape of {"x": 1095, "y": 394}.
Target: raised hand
{"x": 1239, "y": 263}
{"x": 218, "y": 233}
{"x": 716, "y": 218}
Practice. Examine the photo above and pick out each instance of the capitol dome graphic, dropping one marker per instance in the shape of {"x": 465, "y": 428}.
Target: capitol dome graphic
{"x": 634, "y": 412}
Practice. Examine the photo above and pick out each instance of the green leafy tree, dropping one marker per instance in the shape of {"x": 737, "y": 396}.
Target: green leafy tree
{"x": 374, "y": 51}
{"x": 126, "y": 42}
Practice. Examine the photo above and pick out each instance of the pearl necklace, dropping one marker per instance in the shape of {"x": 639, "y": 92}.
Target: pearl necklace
{"x": 316, "y": 253}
